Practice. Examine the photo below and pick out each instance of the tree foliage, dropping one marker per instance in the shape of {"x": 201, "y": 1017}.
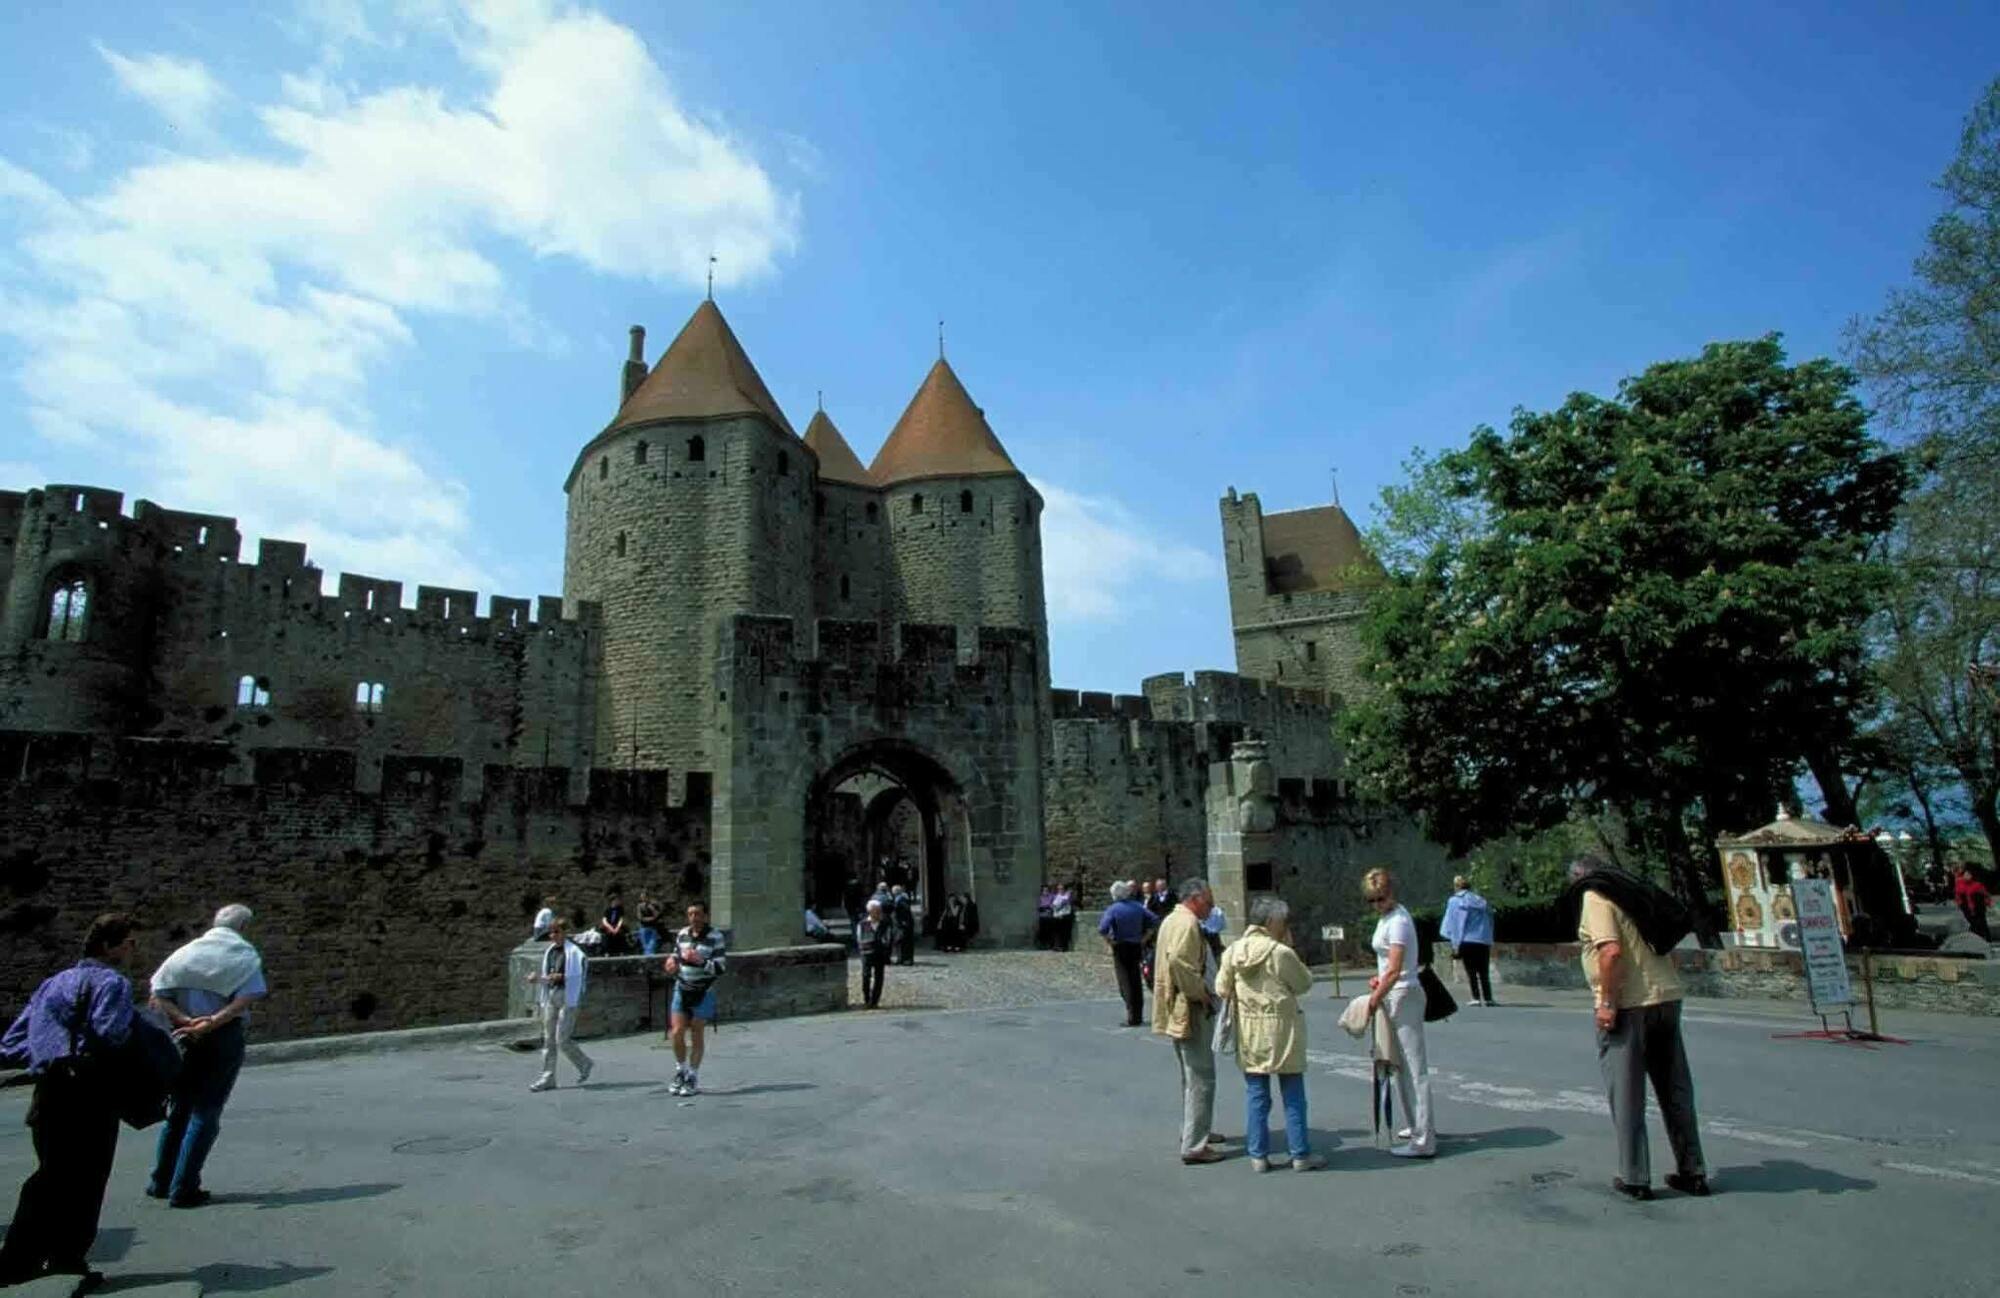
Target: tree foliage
{"x": 1662, "y": 611}
{"x": 1932, "y": 356}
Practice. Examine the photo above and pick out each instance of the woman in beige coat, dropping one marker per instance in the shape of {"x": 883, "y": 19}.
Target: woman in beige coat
{"x": 1262, "y": 978}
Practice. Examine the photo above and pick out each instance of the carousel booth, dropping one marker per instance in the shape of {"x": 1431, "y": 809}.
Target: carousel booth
{"x": 1758, "y": 867}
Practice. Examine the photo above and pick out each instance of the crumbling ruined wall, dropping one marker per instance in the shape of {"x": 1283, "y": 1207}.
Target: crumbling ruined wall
{"x": 374, "y": 909}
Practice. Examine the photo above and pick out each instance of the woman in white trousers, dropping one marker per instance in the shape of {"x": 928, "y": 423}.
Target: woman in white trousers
{"x": 1395, "y": 990}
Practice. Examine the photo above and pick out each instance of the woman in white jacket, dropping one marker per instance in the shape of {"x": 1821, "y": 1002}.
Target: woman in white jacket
{"x": 1262, "y": 978}
{"x": 561, "y": 977}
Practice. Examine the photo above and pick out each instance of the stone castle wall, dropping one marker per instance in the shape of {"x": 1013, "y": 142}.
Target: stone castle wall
{"x": 374, "y": 909}
{"x": 177, "y": 623}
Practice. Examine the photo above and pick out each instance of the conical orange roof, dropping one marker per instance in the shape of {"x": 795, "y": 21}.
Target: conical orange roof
{"x": 941, "y": 434}
{"x": 704, "y": 374}
{"x": 837, "y": 460}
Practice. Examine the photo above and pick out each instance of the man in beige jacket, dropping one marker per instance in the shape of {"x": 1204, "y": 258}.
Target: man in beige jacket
{"x": 1182, "y": 1012}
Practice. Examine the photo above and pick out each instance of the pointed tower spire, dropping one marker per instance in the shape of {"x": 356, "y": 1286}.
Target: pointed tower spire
{"x": 837, "y": 460}
{"x": 703, "y": 374}
{"x": 941, "y": 434}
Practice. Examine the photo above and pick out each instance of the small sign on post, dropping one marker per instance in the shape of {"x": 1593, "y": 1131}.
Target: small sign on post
{"x": 1332, "y": 935}
{"x": 1827, "y": 983}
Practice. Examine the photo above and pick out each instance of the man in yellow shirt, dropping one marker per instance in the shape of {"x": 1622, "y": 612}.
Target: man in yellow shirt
{"x": 1638, "y": 1007}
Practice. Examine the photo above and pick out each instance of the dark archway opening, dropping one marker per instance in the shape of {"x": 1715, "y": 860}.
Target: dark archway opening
{"x": 888, "y": 810}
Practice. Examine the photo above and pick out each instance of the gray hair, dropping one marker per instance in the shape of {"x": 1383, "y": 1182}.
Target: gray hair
{"x": 1120, "y": 890}
{"x": 235, "y": 915}
{"x": 1265, "y": 910}
{"x": 1588, "y": 863}
{"x": 874, "y": 906}
{"x": 1194, "y": 887}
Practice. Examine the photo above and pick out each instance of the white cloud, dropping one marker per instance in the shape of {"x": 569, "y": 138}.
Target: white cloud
{"x": 181, "y": 90}
{"x": 1097, "y": 556}
{"x": 209, "y": 325}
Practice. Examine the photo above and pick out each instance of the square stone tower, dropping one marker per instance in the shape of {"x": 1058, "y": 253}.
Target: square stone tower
{"x": 1298, "y": 582}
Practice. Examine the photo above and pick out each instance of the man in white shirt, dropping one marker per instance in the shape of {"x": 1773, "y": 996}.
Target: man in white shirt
{"x": 561, "y": 978}
{"x": 205, "y": 989}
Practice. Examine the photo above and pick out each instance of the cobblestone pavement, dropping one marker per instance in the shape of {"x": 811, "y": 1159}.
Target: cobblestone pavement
{"x": 990, "y": 979}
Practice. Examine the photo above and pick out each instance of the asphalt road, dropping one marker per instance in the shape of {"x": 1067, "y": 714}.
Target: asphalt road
{"x": 1030, "y": 1151}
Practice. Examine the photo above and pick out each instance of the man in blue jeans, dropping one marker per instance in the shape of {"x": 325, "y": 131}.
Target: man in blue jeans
{"x": 205, "y": 990}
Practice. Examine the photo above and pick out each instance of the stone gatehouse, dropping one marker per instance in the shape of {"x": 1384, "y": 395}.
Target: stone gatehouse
{"x": 770, "y": 665}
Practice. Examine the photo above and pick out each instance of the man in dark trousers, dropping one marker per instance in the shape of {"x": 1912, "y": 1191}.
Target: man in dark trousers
{"x": 1124, "y": 928}
{"x": 1622, "y": 924}
{"x": 86, "y": 1008}
{"x": 906, "y": 925}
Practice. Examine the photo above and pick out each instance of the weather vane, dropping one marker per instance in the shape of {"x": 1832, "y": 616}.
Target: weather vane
{"x": 940, "y": 340}
{"x": 711, "y": 277}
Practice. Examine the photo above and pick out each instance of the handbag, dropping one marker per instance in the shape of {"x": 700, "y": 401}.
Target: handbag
{"x": 1225, "y": 1029}
{"x": 135, "y": 1078}
{"x": 1438, "y": 1003}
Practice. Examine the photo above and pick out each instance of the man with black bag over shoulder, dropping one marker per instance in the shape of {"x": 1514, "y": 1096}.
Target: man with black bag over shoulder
{"x": 72, "y": 1038}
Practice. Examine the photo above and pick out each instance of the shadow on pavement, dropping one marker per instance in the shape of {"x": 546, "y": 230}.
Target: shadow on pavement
{"x": 301, "y": 1198}
{"x": 764, "y": 1088}
{"x": 1464, "y": 1142}
{"x": 1785, "y": 1176}
{"x": 219, "y": 1277}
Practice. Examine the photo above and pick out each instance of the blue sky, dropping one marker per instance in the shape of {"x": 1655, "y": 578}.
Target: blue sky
{"x": 360, "y": 274}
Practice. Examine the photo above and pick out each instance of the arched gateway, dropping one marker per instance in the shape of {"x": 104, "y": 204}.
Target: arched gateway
{"x": 887, "y": 806}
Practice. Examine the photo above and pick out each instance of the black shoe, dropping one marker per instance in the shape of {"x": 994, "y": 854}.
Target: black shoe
{"x": 1696, "y": 1185}
{"x": 1643, "y": 1193}
{"x": 191, "y": 1199}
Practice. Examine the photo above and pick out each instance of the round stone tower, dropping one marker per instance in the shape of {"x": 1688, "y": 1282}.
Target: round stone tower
{"x": 693, "y": 504}
{"x": 965, "y": 525}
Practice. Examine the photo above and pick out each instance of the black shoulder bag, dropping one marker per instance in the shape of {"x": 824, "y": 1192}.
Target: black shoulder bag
{"x": 135, "y": 1078}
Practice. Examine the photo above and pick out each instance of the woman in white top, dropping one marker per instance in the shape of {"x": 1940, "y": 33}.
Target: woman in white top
{"x": 1394, "y": 988}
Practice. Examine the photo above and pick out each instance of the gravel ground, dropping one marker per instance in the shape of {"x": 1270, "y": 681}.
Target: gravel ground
{"x": 989, "y": 979}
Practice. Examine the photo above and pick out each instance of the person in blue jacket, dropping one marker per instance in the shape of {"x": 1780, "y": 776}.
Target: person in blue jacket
{"x": 1468, "y": 926}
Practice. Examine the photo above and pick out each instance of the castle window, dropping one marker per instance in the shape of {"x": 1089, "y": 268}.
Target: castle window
{"x": 1281, "y": 671}
{"x": 871, "y": 511}
{"x": 69, "y": 601}
{"x": 621, "y": 545}
{"x": 252, "y": 693}
{"x": 368, "y": 697}
{"x": 639, "y": 453}
{"x": 784, "y": 464}
{"x": 1312, "y": 651}
{"x": 819, "y": 504}
{"x": 965, "y": 502}
{"x": 603, "y": 467}
{"x": 201, "y": 538}
{"x": 916, "y": 504}
{"x": 697, "y": 449}
{"x": 843, "y": 588}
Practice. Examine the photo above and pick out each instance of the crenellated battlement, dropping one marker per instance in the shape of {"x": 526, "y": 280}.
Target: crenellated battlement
{"x": 185, "y": 546}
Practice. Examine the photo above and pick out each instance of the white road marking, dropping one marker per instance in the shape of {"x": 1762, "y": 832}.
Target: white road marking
{"x": 1947, "y": 1173}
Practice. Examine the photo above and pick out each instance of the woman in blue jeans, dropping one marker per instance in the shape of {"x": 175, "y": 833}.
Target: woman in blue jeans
{"x": 1263, "y": 978}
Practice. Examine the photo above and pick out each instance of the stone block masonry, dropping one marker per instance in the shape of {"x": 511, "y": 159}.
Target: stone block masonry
{"x": 1928, "y": 983}
{"x": 374, "y": 909}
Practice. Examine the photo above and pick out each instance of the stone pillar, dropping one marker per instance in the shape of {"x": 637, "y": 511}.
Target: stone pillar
{"x": 1242, "y": 824}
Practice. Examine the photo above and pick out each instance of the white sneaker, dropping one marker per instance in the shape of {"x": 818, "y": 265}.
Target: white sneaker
{"x": 542, "y": 1084}
{"x": 1260, "y": 1164}
{"x": 1405, "y": 1134}
{"x": 1310, "y": 1163}
{"x": 1411, "y": 1151}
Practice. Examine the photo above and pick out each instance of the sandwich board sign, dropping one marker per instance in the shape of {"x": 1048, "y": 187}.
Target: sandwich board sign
{"x": 1827, "y": 983}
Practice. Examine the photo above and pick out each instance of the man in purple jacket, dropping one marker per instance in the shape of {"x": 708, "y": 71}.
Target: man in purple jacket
{"x": 86, "y": 1007}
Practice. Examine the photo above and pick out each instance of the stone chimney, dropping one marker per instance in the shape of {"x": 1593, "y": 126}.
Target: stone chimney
{"x": 635, "y": 366}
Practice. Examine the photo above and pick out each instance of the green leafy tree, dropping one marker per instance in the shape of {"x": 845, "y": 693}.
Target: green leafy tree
{"x": 1662, "y": 615}
{"x": 1931, "y": 358}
